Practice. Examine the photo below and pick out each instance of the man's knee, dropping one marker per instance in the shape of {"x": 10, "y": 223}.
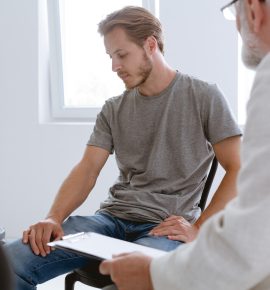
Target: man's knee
{"x": 20, "y": 256}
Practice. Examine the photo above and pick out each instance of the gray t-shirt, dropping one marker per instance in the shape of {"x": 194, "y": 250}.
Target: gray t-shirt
{"x": 162, "y": 146}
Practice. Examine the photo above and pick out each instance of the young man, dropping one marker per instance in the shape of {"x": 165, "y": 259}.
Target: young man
{"x": 231, "y": 251}
{"x": 164, "y": 130}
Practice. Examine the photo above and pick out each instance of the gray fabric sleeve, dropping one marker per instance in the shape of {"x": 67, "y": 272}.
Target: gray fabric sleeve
{"x": 101, "y": 136}
{"x": 217, "y": 114}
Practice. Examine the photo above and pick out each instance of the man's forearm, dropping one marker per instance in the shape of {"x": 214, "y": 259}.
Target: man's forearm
{"x": 225, "y": 192}
{"x": 72, "y": 194}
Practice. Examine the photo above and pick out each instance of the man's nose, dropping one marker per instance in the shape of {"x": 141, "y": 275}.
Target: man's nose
{"x": 116, "y": 66}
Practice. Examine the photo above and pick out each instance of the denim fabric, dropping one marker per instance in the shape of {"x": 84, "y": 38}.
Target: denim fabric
{"x": 32, "y": 270}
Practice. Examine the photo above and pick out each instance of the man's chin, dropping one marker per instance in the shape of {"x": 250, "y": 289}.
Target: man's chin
{"x": 251, "y": 60}
{"x": 130, "y": 86}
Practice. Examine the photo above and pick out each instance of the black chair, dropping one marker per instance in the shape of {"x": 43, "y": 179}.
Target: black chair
{"x": 2, "y": 236}
{"x": 208, "y": 183}
{"x": 89, "y": 275}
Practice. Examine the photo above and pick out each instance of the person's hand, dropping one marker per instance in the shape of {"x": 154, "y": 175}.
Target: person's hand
{"x": 176, "y": 228}
{"x": 129, "y": 271}
{"x": 41, "y": 233}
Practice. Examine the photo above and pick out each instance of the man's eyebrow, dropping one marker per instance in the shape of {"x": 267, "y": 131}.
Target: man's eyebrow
{"x": 118, "y": 50}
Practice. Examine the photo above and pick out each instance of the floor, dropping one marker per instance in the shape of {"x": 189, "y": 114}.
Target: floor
{"x": 58, "y": 284}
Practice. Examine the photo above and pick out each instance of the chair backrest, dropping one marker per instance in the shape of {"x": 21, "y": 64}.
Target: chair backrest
{"x": 208, "y": 183}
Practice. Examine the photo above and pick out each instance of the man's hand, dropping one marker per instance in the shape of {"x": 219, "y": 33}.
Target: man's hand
{"x": 129, "y": 271}
{"x": 176, "y": 228}
{"x": 41, "y": 233}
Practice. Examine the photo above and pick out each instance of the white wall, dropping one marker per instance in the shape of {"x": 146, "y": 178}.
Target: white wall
{"x": 199, "y": 41}
{"x": 35, "y": 156}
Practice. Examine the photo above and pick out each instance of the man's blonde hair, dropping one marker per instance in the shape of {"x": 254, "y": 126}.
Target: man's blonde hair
{"x": 137, "y": 22}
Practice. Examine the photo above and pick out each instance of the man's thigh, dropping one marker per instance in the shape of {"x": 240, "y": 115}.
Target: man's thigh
{"x": 31, "y": 269}
{"x": 98, "y": 223}
{"x": 161, "y": 243}
{"x": 35, "y": 269}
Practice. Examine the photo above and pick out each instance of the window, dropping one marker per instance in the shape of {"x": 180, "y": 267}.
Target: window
{"x": 81, "y": 76}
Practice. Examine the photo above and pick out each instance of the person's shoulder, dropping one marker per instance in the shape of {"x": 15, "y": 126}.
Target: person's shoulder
{"x": 115, "y": 100}
{"x": 265, "y": 63}
{"x": 198, "y": 87}
{"x": 263, "y": 69}
{"x": 195, "y": 82}
{"x": 259, "y": 92}
{"x": 113, "y": 104}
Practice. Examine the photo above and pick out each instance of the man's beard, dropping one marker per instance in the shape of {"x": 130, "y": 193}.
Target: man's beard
{"x": 252, "y": 53}
{"x": 144, "y": 71}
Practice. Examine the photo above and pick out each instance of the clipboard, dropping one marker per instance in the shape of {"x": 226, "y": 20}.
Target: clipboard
{"x": 101, "y": 247}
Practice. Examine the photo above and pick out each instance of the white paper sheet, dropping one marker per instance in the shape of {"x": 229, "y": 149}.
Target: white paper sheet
{"x": 101, "y": 246}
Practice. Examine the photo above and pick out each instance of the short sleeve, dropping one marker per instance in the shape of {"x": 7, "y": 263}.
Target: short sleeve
{"x": 101, "y": 136}
{"x": 219, "y": 122}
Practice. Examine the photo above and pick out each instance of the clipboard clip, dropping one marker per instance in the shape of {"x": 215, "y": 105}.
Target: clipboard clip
{"x": 73, "y": 237}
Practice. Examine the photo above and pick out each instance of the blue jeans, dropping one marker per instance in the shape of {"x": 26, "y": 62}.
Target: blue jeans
{"x": 31, "y": 270}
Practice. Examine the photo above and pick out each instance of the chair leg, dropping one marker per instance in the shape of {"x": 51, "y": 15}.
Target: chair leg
{"x": 70, "y": 280}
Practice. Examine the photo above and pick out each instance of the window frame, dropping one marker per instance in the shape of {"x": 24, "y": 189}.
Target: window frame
{"x": 58, "y": 110}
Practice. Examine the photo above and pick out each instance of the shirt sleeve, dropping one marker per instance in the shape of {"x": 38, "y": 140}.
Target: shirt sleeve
{"x": 219, "y": 122}
{"x": 101, "y": 136}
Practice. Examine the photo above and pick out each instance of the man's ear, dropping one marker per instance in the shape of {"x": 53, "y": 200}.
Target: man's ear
{"x": 151, "y": 44}
{"x": 255, "y": 14}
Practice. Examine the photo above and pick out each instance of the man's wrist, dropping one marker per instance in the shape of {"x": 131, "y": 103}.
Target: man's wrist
{"x": 197, "y": 224}
{"x": 55, "y": 218}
